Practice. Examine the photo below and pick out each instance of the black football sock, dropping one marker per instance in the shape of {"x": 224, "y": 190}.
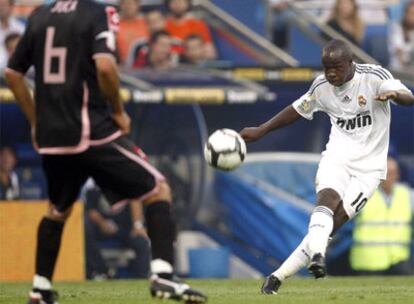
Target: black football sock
{"x": 161, "y": 230}
{"x": 49, "y": 235}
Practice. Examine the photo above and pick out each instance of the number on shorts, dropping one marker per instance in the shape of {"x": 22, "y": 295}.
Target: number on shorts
{"x": 359, "y": 202}
{"x": 51, "y": 52}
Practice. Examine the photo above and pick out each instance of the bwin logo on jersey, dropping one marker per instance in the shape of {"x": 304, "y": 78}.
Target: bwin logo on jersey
{"x": 361, "y": 120}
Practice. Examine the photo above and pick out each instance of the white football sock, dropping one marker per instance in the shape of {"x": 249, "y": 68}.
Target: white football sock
{"x": 161, "y": 266}
{"x": 41, "y": 282}
{"x": 320, "y": 228}
{"x": 296, "y": 261}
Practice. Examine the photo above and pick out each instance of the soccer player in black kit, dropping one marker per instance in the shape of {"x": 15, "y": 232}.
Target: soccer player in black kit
{"x": 79, "y": 125}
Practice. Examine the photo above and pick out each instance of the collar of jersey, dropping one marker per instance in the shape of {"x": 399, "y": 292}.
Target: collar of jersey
{"x": 347, "y": 85}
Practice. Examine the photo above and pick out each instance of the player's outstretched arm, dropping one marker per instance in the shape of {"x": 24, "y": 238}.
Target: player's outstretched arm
{"x": 285, "y": 117}
{"x": 108, "y": 80}
{"x": 22, "y": 94}
{"x": 402, "y": 98}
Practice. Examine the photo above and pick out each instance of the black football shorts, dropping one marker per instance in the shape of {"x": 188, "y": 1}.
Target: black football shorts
{"x": 120, "y": 169}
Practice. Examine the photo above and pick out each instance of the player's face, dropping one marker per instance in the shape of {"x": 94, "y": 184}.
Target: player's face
{"x": 337, "y": 70}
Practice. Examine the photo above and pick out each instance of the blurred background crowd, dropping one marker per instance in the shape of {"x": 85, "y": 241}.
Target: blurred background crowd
{"x": 163, "y": 34}
{"x": 189, "y": 67}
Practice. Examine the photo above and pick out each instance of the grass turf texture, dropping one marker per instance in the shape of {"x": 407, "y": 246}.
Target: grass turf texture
{"x": 354, "y": 290}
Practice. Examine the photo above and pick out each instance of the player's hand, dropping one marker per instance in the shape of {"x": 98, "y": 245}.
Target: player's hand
{"x": 252, "y": 133}
{"x": 387, "y": 96}
{"x": 123, "y": 121}
{"x": 109, "y": 227}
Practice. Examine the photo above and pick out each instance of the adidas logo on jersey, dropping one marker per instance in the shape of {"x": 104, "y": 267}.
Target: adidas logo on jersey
{"x": 361, "y": 120}
{"x": 346, "y": 99}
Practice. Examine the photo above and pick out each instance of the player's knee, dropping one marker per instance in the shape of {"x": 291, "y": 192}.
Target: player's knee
{"x": 329, "y": 198}
{"x": 163, "y": 193}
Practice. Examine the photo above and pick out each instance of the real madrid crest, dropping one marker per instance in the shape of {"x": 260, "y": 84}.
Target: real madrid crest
{"x": 362, "y": 101}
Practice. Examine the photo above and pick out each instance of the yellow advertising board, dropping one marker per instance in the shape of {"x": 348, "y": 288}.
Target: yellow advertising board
{"x": 18, "y": 233}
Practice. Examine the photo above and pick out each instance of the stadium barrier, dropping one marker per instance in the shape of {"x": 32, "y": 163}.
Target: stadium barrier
{"x": 18, "y": 230}
{"x": 209, "y": 262}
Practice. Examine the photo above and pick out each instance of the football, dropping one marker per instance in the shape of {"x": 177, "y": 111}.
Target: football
{"x": 225, "y": 149}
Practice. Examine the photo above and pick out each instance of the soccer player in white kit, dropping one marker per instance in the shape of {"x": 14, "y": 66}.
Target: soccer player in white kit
{"x": 357, "y": 99}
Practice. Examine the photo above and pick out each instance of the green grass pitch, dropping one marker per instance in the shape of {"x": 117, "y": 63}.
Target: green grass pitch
{"x": 350, "y": 290}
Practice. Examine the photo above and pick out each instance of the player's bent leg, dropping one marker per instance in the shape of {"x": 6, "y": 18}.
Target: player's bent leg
{"x": 162, "y": 231}
{"x": 161, "y": 228}
{"x": 163, "y": 193}
{"x": 320, "y": 228}
{"x": 48, "y": 244}
{"x": 317, "y": 266}
{"x": 297, "y": 260}
{"x": 340, "y": 218}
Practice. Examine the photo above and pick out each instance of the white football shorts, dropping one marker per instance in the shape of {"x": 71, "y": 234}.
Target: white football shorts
{"x": 354, "y": 189}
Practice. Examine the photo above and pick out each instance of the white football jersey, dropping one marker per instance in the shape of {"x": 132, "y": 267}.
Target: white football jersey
{"x": 359, "y": 135}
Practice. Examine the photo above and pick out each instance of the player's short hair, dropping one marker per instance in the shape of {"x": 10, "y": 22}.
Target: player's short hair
{"x": 339, "y": 45}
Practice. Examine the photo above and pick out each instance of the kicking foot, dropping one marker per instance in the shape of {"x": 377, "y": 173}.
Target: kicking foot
{"x": 39, "y": 296}
{"x": 271, "y": 285}
{"x": 317, "y": 266}
{"x": 171, "y": 289}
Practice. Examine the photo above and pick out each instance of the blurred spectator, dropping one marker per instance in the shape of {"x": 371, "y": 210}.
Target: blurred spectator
{"x": 124, "y": 227}
{"x": 395, "y": 9}
{"x": 156, "y": 21}
{"x": 8, "y": 24}
{"x": 158, "y": 54}
{"x": 132, "y": 27}
{"x": 194, "y": 50}
{"x": 345, "y": 20}
{"x": 181, "y": 24}
{"x": 10, "y": 42}
{"x": 280, "y": 22}
{"x": 401, "y": 40}
{"x": 383, "y": 230}
{"x": 9, "y": 181}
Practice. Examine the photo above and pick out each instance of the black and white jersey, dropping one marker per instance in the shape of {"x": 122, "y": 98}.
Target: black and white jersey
{"x": 359, "y": 135}
{"x": 61, "y": 41}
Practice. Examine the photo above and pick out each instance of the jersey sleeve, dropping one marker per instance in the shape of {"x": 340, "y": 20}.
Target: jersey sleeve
{"x": 392, "y": 85}
{"x": 105, "y": 25}
{"x": 308, "y": 103}
{"x": 389, "y": 83}
{"x": 22, "y": 58}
